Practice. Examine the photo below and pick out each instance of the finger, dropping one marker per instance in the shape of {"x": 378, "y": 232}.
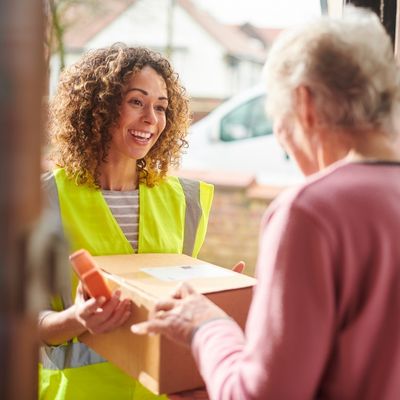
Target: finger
{"x": 164, "y": 305}
{"x": 173, "y": 312}
{"x": 123, "y": 312}
{"x": 79, "y": 296}
{"x": 140, "y": 329}
{"x": 153, "y": 326}
{"x": 79, "y": 288}
{"x": 102, "y": 313}
{"x": 183, "y": 290}
{"x": 89, "y": 307}
{"x": 82, "y": 292}
{"x": 120, "y": 315}
{"x": 109, "y": 307}
{"x": 126, "y": 316}
{"x": 239, "y": 267}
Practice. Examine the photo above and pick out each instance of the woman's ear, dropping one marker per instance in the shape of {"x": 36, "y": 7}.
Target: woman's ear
{"x": 305, "y": 108}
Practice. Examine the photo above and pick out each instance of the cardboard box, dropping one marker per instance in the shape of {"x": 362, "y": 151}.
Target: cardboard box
{"x": 158, "y": 363}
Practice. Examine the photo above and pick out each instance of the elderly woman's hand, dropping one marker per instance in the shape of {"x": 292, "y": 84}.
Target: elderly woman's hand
{"x": 98, "y": 315}
{"x": 179, "y": 316}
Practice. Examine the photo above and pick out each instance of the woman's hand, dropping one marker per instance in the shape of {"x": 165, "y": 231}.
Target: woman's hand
{"x": 98, "y": 315}
{"x": 179, "y": 316}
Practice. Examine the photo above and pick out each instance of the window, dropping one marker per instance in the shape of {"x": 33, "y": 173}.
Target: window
{"x": 246, "y": 121}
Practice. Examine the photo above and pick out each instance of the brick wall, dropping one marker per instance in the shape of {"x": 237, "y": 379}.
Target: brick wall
{"x": 237, "y": 209}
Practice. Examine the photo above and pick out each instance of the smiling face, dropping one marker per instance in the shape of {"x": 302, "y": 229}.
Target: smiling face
{"x": 142, "y": 116}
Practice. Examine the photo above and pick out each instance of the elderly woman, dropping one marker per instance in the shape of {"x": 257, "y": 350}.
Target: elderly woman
{"x": 325, "y": 316}
{"x": 118, "y": 122}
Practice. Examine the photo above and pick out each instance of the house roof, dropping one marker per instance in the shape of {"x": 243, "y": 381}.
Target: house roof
{"x": 235, "y": 41}
{"x": 268, "y": 35}
{"x": 265, "y": 35}
{"x": 88, "y": 20}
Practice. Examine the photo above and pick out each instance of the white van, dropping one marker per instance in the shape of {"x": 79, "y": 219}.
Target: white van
{"x": 237, "y": 137}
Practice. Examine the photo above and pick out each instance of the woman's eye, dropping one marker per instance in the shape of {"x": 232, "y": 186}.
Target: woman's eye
{"x": 161, "y": 109}
{"x": 135, "y": 102}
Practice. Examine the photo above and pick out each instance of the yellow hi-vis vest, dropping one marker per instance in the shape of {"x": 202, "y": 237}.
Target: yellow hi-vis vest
{"x": 173, "y": 218}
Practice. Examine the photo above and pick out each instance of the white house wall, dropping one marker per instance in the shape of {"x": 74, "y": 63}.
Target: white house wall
{"x": 144, "y": 24}
{"x": 203, "y": 68}
{"x": 197, "y": 57}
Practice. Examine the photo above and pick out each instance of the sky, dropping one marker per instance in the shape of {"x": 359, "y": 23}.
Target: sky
{"x": 266, "y": 13}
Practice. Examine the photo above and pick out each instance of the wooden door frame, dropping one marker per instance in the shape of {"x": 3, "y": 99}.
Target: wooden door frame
{"x": 21, "y": 94}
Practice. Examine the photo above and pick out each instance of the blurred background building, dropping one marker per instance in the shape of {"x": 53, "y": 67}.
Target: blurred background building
{"x": 214, "y": 59}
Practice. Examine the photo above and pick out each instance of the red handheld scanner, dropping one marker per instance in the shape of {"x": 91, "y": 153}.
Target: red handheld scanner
{"x": 90, "y": 275}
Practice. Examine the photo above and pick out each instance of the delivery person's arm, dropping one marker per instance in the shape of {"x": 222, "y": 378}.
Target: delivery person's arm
{"x": 93, "y": 315}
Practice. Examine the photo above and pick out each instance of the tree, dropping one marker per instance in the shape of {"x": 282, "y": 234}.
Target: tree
{"x": 60, "y": 19}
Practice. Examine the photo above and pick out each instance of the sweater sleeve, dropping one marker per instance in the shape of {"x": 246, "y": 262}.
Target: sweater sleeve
{"x": 288, "y": 337}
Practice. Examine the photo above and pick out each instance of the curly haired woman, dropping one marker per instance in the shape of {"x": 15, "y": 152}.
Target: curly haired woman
{"x": 118, "y": 122}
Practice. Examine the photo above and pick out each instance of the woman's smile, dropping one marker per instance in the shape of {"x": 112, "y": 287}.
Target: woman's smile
{"x": 141, "y": 137}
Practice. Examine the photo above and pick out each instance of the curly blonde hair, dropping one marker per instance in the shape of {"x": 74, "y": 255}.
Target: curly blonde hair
{"x": 87, "y": 104}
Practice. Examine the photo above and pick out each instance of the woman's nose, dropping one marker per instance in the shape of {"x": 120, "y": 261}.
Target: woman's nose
{"x": 150, "y": 115}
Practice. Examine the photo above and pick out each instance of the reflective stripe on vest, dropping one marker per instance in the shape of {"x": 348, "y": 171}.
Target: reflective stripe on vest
{"x": 193, "y": 213}
{"x": 72, "y": 355}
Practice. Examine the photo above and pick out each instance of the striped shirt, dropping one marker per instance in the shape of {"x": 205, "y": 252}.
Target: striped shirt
{"x": 124, "y": 207}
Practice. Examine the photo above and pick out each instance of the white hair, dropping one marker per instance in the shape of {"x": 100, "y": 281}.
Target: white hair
{"x": 348, "y": 65}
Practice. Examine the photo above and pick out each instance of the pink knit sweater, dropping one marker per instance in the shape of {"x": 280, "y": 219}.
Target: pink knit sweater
{"x": 325, "y": 317}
